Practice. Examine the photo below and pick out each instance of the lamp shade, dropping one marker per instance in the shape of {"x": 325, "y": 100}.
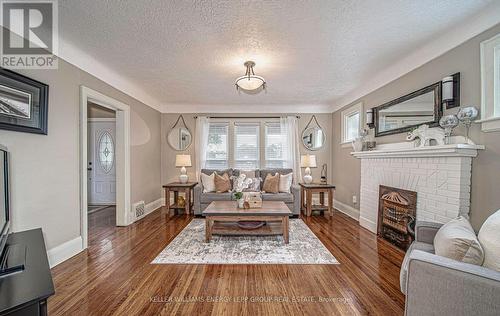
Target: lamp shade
{"x": 308, "y": 161}
{"x": 250, "y": 82}
{"x": 183, "y": 160}
{"x": 447, "y": 89}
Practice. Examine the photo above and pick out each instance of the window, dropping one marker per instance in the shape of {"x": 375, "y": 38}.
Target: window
{"x": 275, "y": 146}
{"x": 490, "y": 84}
{"x": 352, "y": 126}
{"x": 246, "y": 146}
{"x": 217, "y": 151}
{"x": 351, "y": 123}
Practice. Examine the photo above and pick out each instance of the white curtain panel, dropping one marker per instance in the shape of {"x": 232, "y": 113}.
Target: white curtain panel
{"x": 201, "y": 143}
{"x": 290, "y": 127}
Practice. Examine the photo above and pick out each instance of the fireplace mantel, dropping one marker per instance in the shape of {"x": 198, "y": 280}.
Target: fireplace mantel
{"x": 401, "y": 150}
{"x": 441, "y": 176}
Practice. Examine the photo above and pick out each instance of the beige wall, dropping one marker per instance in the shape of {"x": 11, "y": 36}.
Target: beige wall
{"x": 96, "y": 111}
{"x": 45, "y": 169}
{"x": 170, "y": 173}
{"x": 485, "y": 180}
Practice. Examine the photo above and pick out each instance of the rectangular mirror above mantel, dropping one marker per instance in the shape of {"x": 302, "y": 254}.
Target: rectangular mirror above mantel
{"x": 404, "y": 113}
{"x": 423, "y": 106}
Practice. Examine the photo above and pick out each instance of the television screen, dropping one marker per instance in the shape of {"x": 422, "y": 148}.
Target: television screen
{"x": 3, "y": 191}
{"x": 4, "y": 198}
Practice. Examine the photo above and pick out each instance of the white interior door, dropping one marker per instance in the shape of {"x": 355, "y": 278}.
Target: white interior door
{"x": 101, "y": 164}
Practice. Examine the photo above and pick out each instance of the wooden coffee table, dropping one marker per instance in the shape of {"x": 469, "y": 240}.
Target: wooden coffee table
{"x": 221, "y": 218}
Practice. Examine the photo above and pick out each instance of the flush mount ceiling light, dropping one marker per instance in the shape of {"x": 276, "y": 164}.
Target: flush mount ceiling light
{"x": 250, "y": 81}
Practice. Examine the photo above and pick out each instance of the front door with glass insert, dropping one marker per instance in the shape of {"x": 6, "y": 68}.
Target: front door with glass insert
{"x": 101, "y": 163}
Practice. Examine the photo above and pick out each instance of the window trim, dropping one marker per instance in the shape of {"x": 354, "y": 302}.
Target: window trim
{"x": 490, "y": 122}
{"x": 356, "y": 108}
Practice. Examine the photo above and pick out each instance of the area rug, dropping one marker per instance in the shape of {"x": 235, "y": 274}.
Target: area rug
{"x": 189, "y": 247}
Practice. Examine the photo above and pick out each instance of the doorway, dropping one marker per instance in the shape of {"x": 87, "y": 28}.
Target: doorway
{"x": 104, "y": 160}
{"x": 101, "y": 166}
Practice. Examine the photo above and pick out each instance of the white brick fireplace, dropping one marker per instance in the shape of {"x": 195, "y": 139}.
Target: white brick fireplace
{"x": 441, "y": 176}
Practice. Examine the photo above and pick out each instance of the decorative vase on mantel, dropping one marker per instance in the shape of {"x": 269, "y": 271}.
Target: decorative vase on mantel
{"x": 357, "y": 144}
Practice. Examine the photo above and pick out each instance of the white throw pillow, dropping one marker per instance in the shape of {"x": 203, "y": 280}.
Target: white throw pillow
{"x": 208, "y": 182}
{"x": 489, "y": 237}
{"x": 285, "y": 182}
{"x": 457, "y": 240}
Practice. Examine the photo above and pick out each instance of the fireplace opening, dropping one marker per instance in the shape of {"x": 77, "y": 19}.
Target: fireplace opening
{"x": 397, "y": 209}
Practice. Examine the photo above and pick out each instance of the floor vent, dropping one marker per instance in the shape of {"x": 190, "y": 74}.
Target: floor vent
{"x": 139, "y": 209}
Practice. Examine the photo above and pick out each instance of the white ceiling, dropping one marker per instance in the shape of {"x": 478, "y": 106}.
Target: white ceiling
{"x": 183, "y": 56}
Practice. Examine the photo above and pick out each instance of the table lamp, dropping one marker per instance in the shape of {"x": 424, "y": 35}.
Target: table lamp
{"x": 183, "y": 161}
{"x": 308, "y": 162}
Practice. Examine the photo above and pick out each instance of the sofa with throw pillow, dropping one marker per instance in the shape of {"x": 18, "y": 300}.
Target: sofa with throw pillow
{"x": 279, "y": 187}
{"x": 448, "y": 270}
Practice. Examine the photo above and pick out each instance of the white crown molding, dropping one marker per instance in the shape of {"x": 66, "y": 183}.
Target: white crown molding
{"x": 87, "y": 63}
{"x": 475, "y": 25}
{"x": 75, "y": 56}
{"x": 245, "y": 108}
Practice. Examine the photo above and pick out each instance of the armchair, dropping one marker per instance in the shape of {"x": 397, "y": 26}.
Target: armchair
{"x": 436, "y": 285}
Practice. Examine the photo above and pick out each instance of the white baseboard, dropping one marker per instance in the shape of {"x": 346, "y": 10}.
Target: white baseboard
{"x": 346, "y": 209}
{"x": 154, "y": 205}
{"x": 150, "y": 207}
{"x": 368, "y": 224}
{"x": 73, "y": 247}
{"x": 64, "y": 251}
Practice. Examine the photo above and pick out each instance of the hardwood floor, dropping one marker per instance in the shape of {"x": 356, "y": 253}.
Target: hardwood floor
{"x": 115, "y": 277}
{"x": 100, "y": 222}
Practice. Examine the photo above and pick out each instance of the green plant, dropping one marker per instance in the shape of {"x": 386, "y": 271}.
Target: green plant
{"x": 238, "y": 195}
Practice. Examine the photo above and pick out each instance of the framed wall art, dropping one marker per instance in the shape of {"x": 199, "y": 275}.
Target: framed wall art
{"x": 23, "y": 103}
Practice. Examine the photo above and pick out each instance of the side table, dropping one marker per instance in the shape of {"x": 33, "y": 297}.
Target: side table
{"x": 306, "y": 193}
{"x": 177, "y": 187}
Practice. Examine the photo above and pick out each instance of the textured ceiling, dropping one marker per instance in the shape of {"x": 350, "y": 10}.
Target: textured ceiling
{"x": 310, "y": 52}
